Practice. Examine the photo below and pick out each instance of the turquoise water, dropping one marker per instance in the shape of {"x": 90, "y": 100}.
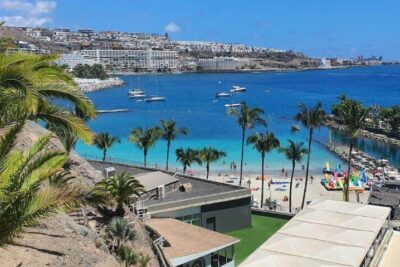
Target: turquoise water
{"x": 191, "y": 102}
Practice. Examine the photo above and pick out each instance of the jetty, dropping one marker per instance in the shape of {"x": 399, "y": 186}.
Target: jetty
{"x": 92, "y": 85}
{"x": 102, "y": 111}
{"x": 380, "y": 137}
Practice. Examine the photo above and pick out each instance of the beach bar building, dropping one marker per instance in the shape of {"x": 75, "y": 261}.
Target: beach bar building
{"x": 327, "y": 233}
{"x": 187, "y": 245}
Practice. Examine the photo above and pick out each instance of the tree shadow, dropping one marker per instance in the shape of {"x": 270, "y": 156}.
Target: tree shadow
{"x": 52, "y": 252}
{"x": 40, "y": 233}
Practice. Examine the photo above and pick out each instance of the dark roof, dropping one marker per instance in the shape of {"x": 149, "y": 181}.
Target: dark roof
{"x": 384, "y": 199}
{"x": 202, "y": 191}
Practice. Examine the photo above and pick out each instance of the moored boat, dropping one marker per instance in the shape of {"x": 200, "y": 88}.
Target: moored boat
{"x": 232, "y": 105}
{"x": 155, "y": 99}
{"x": 222, "y": 94}
{"x": 137, "y": 96}
{"x": 135, "y": 92}
{"x": 238, "y": 89}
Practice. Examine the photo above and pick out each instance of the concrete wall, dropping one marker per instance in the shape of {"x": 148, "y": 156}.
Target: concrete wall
{"x": 229, "y": 215}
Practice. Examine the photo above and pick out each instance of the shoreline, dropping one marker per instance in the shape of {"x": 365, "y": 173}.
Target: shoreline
{"x": 272, "y": 70}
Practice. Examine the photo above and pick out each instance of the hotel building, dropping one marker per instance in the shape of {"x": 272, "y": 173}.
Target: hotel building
{"x": 222, "y": 63}
{"x": 133, "y": 59}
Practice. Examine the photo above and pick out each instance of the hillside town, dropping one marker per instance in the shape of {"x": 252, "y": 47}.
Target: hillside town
{"x": 122, "y": 52}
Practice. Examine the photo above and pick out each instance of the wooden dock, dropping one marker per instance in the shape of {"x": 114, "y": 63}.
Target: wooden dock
{"x": 102, "y": 111}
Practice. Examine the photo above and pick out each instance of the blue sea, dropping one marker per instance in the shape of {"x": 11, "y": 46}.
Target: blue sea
{"x": 191, "y": 102}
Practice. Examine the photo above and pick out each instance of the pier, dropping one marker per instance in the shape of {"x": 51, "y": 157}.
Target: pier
{"x": 102, "y": 111}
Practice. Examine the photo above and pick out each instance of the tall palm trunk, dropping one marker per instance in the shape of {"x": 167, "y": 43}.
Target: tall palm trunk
{"x": 168, "y": 147}
{"x": 104, "y": 154}
{"x": 262, "y": 178}
{"x": 184, "y": 169}
{"x": 347, "y": 181}
{"x": 241, "y": 157}
{"x": 308, "y": 166}
{"x": 208, "y": 169}
{"x": 291, "y": 186}
{"x": 145, "y": 157}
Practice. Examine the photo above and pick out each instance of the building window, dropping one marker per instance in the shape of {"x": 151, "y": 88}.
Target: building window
{"x": 222, "y": 257}
{"x": 194, "y": 219}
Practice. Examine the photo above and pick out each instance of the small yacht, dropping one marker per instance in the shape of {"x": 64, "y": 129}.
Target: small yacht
{"x": 135, "y": 92}
{"x": 237, "y": 89}
{"x": 222, "y": 94}
{"x": 232, "y": 105}
{"x": 155, "y": 99}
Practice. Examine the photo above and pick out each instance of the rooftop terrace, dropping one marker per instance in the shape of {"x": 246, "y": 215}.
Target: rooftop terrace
{"x": 202, "y": 191}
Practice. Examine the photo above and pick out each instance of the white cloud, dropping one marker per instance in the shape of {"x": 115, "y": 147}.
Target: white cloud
{"x": 172, "y": 27}
{"x": 21, "y": 21}
{"x": 44, "y": 7}
{"x": 27, "y": 13}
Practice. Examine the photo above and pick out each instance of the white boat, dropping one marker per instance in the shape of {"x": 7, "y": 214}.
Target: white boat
{"x": 138, "y": 95}
{"x": 135, "y": 92}
{"x": 237, "y": 89}
{"x": 155, "y": 99}
{"x": 232, "y": 105}
{"x": 222, "y": 94}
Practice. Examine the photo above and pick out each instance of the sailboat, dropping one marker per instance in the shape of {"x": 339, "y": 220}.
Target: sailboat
{"x": 155, "y": 98}
{"x": 136, "y": 92}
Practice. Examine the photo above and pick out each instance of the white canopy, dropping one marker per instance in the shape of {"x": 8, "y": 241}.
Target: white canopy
{"x": 326, "y": 233}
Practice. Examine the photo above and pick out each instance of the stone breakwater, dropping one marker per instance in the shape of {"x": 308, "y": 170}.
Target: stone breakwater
{"x": 364, "y": 133}
{"x": 92, "y": 85}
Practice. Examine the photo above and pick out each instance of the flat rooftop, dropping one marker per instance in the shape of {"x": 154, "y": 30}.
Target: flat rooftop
{"x": 325, "y": 233}
{"x": 187, "y": 241}
{"x": 202, "y": 191}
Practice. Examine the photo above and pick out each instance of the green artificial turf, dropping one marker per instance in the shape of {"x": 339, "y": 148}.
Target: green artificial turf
{"x": 251, "y": 238}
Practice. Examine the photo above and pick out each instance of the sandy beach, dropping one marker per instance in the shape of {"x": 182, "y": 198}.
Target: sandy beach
{"x": 281, "y": 185}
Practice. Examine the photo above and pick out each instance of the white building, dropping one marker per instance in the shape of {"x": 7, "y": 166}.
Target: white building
{"x": 131, "y": 59}
{"x": 73, "y": 59}
{"x": 222, "y": 63}
{"x": 328, "y": 233}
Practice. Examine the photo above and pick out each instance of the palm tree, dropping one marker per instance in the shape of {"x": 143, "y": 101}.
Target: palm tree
{"x": 187, "y": 157}
{"x": 25, "y": 192}
{"x": 104, "y": 141}
{"x": 67, "y": 137}
{"x": 247, "y": 118}
{"x": 128, "y": 256}
{"x": 209, "y": 155}
{"x": 353, "y": 115}
{"x": 263, "y": 143}
{"x": 119, "y": 232}
{"x": 121, "y": 187}
{"x": 311, "y": 118}
{"x": 29, "y": 85}
{"x": 145, "y": 139}
{"x": 170, "y": 133}
{"x": 5, "y": 42}
{"x": 293, "y": 152}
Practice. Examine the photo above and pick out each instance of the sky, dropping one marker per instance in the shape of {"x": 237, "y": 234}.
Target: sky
{"x": 323, "y": 28}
